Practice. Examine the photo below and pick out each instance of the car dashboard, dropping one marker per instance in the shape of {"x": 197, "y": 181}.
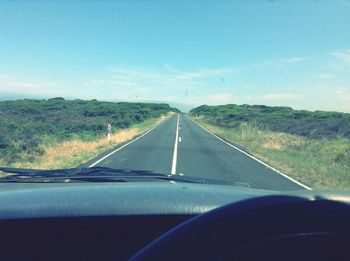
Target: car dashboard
{"x": 105, "y": 221}
{"x": 102, "y": 221}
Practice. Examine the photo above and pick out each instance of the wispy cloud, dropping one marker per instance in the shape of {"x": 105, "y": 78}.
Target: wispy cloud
{"x": 328, "y": 98}
{"x": 280, "y": 96}
{"x": 274, "y": 98}
{"x": 114, "y": 83}
{"x": 279, "y": 82}
{"x": 170, "y": 74}
{"x": 205, "y": 73}
{"x": 208, "y": 99}
{"x": 278, "y": 62}
{"x": 343, "y": 56}
{"x": 14, "y": 85}
{"x": 166, "y": 83}
{"x": 342, "y": 93}
{"x": 294, "y": 60}
{"x": 340, "y": 64}
{"x": 325, "y": 76}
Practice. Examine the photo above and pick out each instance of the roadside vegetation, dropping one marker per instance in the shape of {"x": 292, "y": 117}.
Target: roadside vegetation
{"x": 58, "y": 133}
{"x": 311, "y": 147}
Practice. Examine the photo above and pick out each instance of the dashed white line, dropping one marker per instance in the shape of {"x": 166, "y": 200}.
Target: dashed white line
{"x": 173, "y": 166}
{"x": 179, "y": 139}
{"x": 139, "y": 137}
{"x": 252, "y": 157}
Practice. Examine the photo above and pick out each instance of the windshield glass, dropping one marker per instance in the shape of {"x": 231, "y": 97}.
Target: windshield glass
{"x": 250, "y": 92}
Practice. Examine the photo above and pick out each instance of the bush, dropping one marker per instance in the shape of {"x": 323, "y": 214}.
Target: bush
{"x": 25, "y": 124}
{"x": 318, "y": 124}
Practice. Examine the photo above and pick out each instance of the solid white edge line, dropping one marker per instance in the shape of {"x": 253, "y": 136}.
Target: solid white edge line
{"x": 173, "y": 166}
{"x": 247, "y": 154}
{"x": 126, "y": 144}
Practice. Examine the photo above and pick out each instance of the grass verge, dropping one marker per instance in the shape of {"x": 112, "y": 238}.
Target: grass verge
{"x": 315, "y": 162}
{"x": 72, "y": 153}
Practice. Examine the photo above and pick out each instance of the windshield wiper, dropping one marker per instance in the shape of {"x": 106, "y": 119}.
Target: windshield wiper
{"x": 98, "y": 174}
{"x": 77, "y": 172}
{"x": 94, "y": 174}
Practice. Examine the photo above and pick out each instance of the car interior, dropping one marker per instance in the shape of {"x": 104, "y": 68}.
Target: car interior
{"x": 166, "y": 221}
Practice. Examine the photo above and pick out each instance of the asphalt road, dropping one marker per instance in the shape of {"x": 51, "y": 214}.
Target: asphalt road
{"x": 196, "y": 153}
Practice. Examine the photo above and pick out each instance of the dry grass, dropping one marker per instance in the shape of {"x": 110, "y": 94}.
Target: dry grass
{"x": 72, "y": 153}
{"x": 280, "y": 141}
{"x": 316, "y": 163}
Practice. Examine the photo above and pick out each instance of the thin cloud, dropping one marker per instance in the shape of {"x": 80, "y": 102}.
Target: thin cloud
{"x": 205, "y": 73}
{"x": 137, "y": 73}
{"x": 328, "y": 98}
{"x": 273, "y": 98}
{"x": 279, "y": 96}
{"x": 112, "y": 83}
{"x": 294, "y": 60}
{"x": 343, "y": 56}
{"x": 278, "y": 62}
{"x": 221, "y": 98}
{"x": 167, "y": 78}
{"x": 325, "y": 76}
{"x": 210, "y": 99}
{"x": 165, "y": 83}
{"x": 340, "y": 64}
{"x": 168, "y": 73}
{"x": 14, "y": 85}
{"x": 342, "y": 93}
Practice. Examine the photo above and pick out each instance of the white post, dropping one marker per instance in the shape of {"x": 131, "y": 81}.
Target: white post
{"x": 109, "y": 131}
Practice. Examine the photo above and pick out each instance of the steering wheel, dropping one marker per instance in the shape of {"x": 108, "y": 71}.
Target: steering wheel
{"x": 270, "y": 227}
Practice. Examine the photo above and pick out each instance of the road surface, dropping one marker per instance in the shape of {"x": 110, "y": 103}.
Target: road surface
{"x": 180, "y": 146}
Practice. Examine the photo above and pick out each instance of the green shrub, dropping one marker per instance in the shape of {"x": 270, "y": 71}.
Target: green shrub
{"x": 25, "y": 124}
{"x": 318, "y": 124}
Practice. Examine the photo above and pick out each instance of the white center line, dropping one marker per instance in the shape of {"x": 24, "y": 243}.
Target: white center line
{"x": 173, "y": 167}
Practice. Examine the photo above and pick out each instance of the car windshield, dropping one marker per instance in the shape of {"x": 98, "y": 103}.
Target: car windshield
{"x": 249, "y": 93}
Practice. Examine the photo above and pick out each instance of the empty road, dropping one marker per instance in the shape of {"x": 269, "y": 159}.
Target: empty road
{"x": 181, "y": 147}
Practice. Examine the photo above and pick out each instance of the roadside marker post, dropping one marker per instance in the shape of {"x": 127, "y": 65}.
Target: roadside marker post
{"x": 109, "y": 131}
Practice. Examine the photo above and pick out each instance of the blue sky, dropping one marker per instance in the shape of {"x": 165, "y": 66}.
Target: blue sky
{"x": 292, "y": 53}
